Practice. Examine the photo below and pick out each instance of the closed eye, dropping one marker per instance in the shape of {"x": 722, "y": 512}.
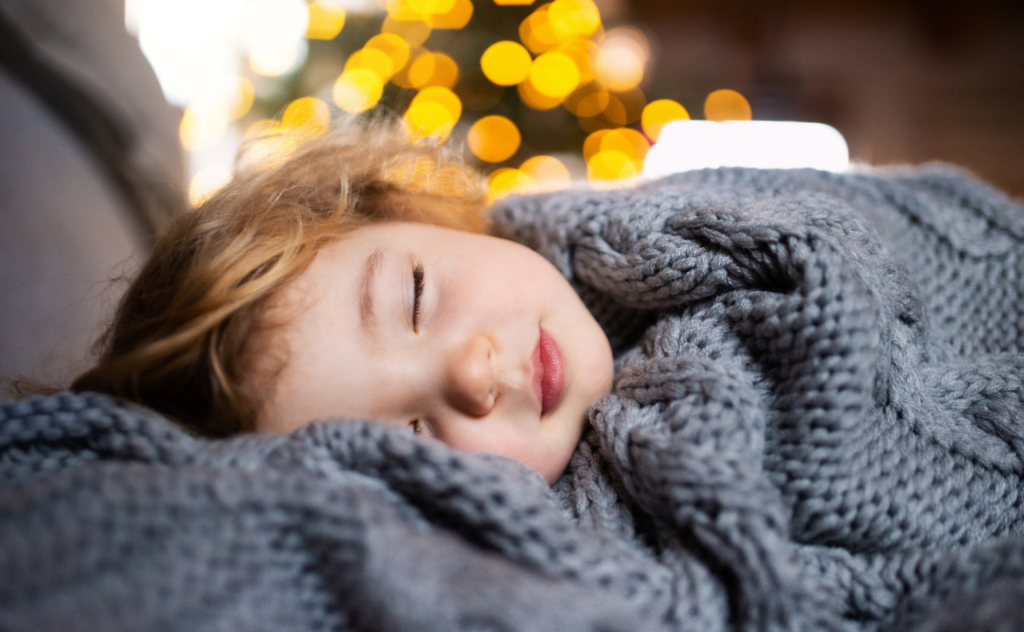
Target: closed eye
{"x": 417, "y": 290}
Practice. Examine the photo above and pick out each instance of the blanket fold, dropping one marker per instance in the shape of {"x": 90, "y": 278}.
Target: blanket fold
{"x": 817, "y": 423}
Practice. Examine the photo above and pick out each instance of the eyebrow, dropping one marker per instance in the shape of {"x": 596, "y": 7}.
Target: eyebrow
{"x": 371, "y": 267}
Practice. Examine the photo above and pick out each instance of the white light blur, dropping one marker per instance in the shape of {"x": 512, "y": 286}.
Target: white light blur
{"x": 686, "y": 145}
{"x": 360, "y": 6}
{"x": 191, "y": 44}
{"x": 275, "y": 35}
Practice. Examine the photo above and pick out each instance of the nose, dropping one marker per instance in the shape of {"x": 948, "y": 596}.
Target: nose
{"x": 470, "y": 379}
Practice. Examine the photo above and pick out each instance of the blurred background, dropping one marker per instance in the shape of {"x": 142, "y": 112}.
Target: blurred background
{"x": 120, "y": 113}
{"x": 902, "y": 80}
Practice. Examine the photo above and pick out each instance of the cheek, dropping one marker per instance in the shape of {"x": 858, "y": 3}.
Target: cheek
{"x": 547, "y": 455}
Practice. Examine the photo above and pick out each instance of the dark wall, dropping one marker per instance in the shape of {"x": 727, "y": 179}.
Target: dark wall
{"x": 903, "y": 80}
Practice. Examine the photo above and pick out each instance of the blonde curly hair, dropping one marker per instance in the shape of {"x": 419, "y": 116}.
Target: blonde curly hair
{"x": 188, "y": 332}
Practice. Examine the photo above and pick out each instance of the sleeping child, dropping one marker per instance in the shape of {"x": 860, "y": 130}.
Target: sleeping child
{"x": 744, "y": 399}
{"x": 355, "y": 280}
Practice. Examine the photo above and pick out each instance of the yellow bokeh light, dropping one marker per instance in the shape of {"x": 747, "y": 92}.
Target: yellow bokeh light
{"x": 206, "y": 182}
{"x": 727, "y": 105}
{"x": 373, "y": 59}
{"x": 587, "y": 100}
{"x": 433, "y": 69}
{"x": 429, "y": 7}
{"x": 574, "y": 18}
{"x": 309, "y": 116}
{"x": 659, "y": 113}
{"x": 405, "y": 11}
{"x": 401, "y": 78}
{"x": 326, "y": 20}
{"x": 610, "y": 165}
{"x": 414, "y": 32}
{"x": 506, "y": 63}
{"x": 537, "y": 33}
{"x": 442, "y": 96}
{"x": 429, "y": 118}
{"x": 535, "y": 99}
{"x": 628, "y": 142}
{"x": 456, "y": 18}
{"x": 547, "y": 171}
{"x": 508, "y": 3}
{"x": 592, "y": 144}
{"x": 554, "y": 74}
{"x": 396, "y": 48}
{"x": 357, "y": 90}
{"x": 494, "y": 138}
{"x": 505, "y": 182}
{"x": 621, "y": 59}
{"x": 583, "y": 53}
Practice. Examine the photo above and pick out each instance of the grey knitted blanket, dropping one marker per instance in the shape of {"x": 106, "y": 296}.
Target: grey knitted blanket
{"x": 817, "y": 424}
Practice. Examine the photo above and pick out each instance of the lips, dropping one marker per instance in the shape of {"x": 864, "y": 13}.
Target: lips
{"x": 549, "y": 372}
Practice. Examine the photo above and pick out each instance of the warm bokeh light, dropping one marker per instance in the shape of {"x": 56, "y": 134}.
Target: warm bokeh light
{"x": 621, "y": 59}
{"x": 357, "y": 90}
{"x": 537, "y": 33}
{"x": 456, "y": 18}
{"x": 554, "y": 75}
{"x": 658, "y": 113}
{"x": 583, "y": 53}
{"x": 206, "y": 182}
{"x": 308, "y": 116}
{"x": 506, "y": 63}
{"x": 401, "y": 78}
{"x": 275, "y": 32}
{"x": 727, "y": 105}
{"x": 396, "y": 48}
{"x": 505, "y": 182}
{"x": 587, "y": 100}
{"x": 547, "y": 171}
{"x": 610, "y": 165}
{"x": 574, "y": 18}
{"x": 513, "y": 2}
{"x": 429, "y": 118}
{"x": 373, "y": 59}
{"x": 415, "y": 32}
{"x": 326, "y": 20}
{"x": 443, "y": 97}
{"x": 534, "y": 99}
{"x": 592, "y": 144}
{"x": 494, "y": 138}
{"x": 433, "y": 69}
{"x": 627, "y": 142}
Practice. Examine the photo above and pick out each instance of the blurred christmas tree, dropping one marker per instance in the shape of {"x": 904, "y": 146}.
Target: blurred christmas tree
{"x": 540, "y": 93}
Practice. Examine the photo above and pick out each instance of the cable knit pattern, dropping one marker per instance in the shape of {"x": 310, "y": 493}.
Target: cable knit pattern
{"x": 817, "y": 423}
{"x": 819, "y": 388}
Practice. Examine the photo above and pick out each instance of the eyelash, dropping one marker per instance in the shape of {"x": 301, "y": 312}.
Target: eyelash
{"x": 417, "y": 291}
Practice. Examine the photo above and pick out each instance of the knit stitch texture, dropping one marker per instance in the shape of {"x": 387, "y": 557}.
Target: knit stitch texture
{"x": 817, "y": 423}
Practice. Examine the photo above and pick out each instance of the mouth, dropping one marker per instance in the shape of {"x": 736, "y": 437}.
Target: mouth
{"x": 548, "y": 373}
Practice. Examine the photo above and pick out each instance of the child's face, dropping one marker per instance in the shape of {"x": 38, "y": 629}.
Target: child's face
{"x": 474, "y": 340}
